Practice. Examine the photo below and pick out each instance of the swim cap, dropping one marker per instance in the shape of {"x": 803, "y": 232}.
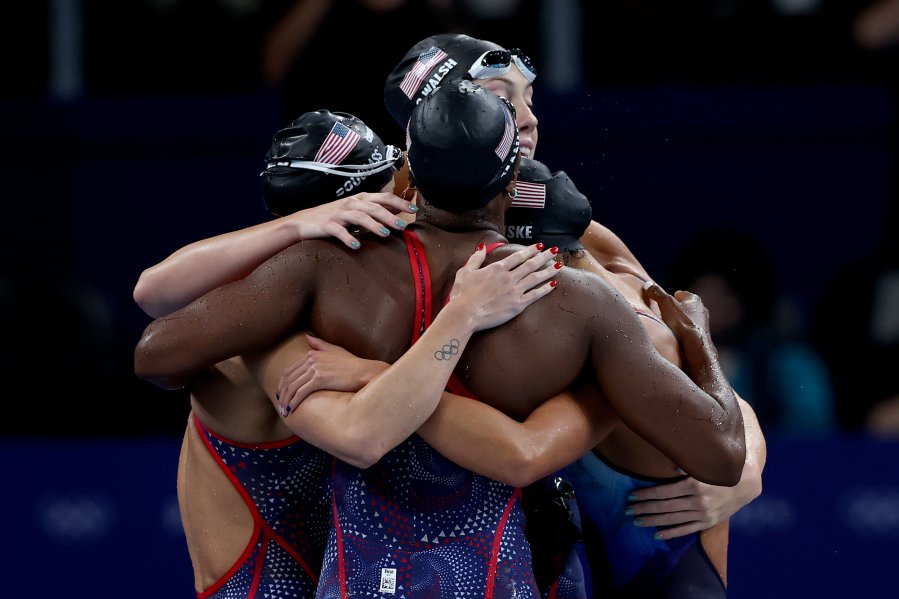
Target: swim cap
{"x": 463, "y": 146}
{"x": 322, "y": 156}
{"x": 548, "y": 208}
{"x": 436, "y": 59}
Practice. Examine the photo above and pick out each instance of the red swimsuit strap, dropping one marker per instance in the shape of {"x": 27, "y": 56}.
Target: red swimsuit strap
{"x": 421, "y": 278}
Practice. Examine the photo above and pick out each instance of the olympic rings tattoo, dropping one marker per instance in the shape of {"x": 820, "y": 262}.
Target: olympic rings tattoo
{"x": 448, "y": 351}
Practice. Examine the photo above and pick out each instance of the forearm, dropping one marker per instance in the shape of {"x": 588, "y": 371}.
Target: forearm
{"x": 695, "y": 423}
{"x": 361, "y": 427}
{"x": 484, "y": 440}
{"x": 702, "y": 366}
{"x": 244, "y": 316}
{"x": 204, "y": 265}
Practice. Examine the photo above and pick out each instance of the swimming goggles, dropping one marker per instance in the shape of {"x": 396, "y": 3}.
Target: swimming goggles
{"x": 394, "y": 159}
{"x": 495, "y": 63}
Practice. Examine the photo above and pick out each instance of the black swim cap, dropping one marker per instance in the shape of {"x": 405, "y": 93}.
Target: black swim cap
{"x": 463, "y": 146}
{"x": 432, "y": 61}
{"x": 548, "y": 209}
{"x": 322, "y": 156}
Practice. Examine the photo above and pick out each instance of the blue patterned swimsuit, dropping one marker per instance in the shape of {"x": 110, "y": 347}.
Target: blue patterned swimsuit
{"x": 417, "y": 525}
{"x": 286, "y": 487}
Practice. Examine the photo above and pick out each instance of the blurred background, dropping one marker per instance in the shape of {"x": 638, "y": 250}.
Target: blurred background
{"x": 743, "y": 150}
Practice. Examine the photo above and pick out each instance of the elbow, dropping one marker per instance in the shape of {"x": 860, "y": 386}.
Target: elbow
{"x": 725, "y": 468}
{"x": 359, "y": 448}
{"x": 147, "y": 366}
{"x": 521, "y": 467}
{"x": 721, "y": 462}
{"x": 361, "y": 460}
{"x": 144, "y": 297}
{"x": 733, "y": 468}
{"x": 520, "y": 478}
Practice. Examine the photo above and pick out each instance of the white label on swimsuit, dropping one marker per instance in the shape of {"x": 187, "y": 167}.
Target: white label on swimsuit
{"x": 388, "y": 580}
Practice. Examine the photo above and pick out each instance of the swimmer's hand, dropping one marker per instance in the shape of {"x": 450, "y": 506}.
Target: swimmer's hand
{"x": 685, "y": 506}
{"x": 683, "y": 311}
{"x": 324, "y": 366}
{"x": 374, "y": 212}
{"x": 494, "y": 294}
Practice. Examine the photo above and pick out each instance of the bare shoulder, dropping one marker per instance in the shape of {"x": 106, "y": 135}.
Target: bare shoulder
{"x": 610, "y": 250}
{"x": 327, "y": 254}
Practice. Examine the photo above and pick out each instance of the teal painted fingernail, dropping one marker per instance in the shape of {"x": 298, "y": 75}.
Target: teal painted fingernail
{"x": 638, "y": 522}
{"x": 413, "y": 207}
{"x": 658, "y": 536}
{"x": 629, "y": 511}
{"x": 632, "y": 497}
{"x": 354, "y": 245}
{"x": 401, "y": 223}
{"x": 384, "y": 231}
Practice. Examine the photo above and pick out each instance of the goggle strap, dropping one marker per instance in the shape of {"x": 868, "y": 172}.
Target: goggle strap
{"x": 348, "y": 170}
{"x": 342, "y": 170}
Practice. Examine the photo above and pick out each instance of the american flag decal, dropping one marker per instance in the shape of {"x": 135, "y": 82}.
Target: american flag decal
{"x": 339, "y": 142}
{"x": 506, "y": 142}
{"x": 530, "y": 195}
{"x": 426, "y": 60}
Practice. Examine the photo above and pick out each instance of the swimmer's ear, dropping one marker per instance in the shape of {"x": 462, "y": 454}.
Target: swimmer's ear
{"x": 511, "y": 191}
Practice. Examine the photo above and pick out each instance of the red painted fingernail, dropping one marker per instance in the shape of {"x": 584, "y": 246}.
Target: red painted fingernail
{"x": 553, "y": 283}
{"x": 480, "y": 246}
{"x": 554, "y": 250}
{"x": 557, "y": 265}
{"x": 540, "y": 247}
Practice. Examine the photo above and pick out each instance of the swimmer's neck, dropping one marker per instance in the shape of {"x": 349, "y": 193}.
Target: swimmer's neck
{"x": 488, "y": 218}
{"x": 485, "y": 229}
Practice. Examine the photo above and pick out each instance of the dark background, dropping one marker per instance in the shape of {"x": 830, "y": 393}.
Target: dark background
{"x": 150, "y": 132}
{"x": 130, "y": 129}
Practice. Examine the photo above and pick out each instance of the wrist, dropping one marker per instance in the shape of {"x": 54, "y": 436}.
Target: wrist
{"x": 460, "y": 320}
{"x": 374, "y": 368}
{"x": 697, "y": 345}
{"x": 295, "y": 227}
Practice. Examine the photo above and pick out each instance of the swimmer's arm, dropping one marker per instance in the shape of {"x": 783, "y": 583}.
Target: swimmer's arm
{"x": 698, "y": 425}
{"x": 470, "y": 433}
{"x": 750, "y": 485}
{"x": 241, "y": 317}
{"x": 360, "y": 428}
{"x": 484, "y": 440}
{"x": 202, "y": 266}
{"x": 688, "y": 505}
